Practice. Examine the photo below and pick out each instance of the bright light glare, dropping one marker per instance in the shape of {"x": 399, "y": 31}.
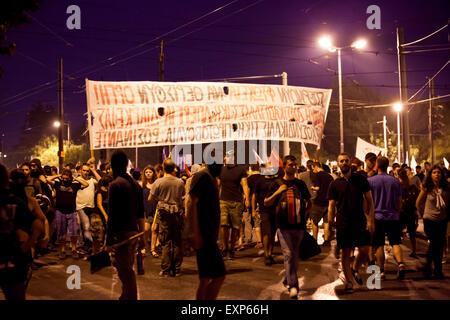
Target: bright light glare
{"x": 398, "y": 107}
{"x": 325, "y": 42}
{"x": 359, "y": 44}
{"x": 56, "y": 124}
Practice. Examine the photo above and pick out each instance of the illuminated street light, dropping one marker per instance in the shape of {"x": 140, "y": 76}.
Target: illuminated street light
{"x": 398, "y": 107}
{"x": 359, "y": 44}
{"x": 56, "y": 124}
{"x": 326, "y": 43}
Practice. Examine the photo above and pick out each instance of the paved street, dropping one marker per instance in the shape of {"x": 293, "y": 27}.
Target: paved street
{"x": 248, "y": 279}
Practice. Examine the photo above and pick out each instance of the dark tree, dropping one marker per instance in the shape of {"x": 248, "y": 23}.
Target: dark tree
{"x": 13, "y": 13}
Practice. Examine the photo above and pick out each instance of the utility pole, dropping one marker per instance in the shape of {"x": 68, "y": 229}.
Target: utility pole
{"x": 286, "y": 149}
{"x": 430, "y": 119}
{"x": 161, "y": 78}
{"x": 61, "y": 116}
{"x": 403, "y": 93}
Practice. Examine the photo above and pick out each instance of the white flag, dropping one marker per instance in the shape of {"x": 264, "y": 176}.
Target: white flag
{"x": 305, "y": 156}
{"x": 445, "y": 163}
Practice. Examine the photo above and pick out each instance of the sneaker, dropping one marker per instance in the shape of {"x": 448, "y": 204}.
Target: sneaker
{"x": 231, "y": 255}
{"x": 259, "y": 245}
{"x": 163, "y": 274}
{"x": 272, "y": 260}
{"x": 348, "y": 288}
{"x": 293, "y": 293}
{"x": 357, "y": 277}
{"x": 401, "y": 272}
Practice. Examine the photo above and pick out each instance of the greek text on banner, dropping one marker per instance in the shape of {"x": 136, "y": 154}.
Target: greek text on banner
{"x": 145, "y": 114}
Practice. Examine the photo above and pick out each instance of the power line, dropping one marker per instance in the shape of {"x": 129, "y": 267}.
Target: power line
{"x": 426, "y": 83}
{"x": 113, "y": 57}
{"x": 426, "y": 37}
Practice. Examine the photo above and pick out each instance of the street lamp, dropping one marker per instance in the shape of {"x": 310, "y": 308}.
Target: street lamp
{"x": 57, "y": 124}
{"x": 326, "y": 43}
{"x": 398, "y": 107}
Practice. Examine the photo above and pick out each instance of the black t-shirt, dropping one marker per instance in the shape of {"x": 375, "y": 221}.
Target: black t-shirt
{"x": 304, "y": 193}
{"x": 262, "y": 190}
{"x": 252, "y": 181}
{"x": 204, "y": 186}
{"x": 125, "y": 206}
{"x": 230, "y": 182}
{"x": 322, "y": 180}
{"x": 349, "y": 196}
{"x": 66, "y": 196}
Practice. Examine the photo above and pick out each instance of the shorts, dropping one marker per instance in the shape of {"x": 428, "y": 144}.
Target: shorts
{"x": 352, "y": 237}
{"x": 66, "y": 225}
{"x": 97, "y": 227}
{"x": 209, "y": 262}
{"x": 231, "y": 214}
{"x": 268, "y": 226}
{"x": 317, "y": 213}
{"x": 393, "y": 229}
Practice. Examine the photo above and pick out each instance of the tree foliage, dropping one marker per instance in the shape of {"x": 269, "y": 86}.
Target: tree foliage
{"x": 47, "y": 151}
{"x": 13, "y": 13}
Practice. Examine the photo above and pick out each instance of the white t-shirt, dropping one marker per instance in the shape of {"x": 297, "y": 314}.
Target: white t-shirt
{"x": 85, "y": 197}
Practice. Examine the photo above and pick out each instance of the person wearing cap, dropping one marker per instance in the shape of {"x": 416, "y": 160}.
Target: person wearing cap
{"x": 233, "y": 183}
{"x": 370, "y": 159}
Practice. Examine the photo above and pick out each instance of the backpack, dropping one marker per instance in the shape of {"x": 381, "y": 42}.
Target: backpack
{"x": 409, "y": 199}
{"x": 289, "y": 207}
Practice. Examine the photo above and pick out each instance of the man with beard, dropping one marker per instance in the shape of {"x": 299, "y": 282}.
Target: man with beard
{"x": 203, "y": 213}
{"x": 350, "y": 194}
{"x": 32, "y": 186}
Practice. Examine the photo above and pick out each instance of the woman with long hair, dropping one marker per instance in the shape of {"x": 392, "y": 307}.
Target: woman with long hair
{"x": 147, "y": 178}
{"x": 432, "y": 204}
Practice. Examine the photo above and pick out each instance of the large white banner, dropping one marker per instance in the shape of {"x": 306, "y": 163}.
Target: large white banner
{"x": 363, "y": 147}
{"x": 145, "y": 114}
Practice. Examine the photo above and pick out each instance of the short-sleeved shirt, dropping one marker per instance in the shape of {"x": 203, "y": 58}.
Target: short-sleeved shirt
{"x": 386, "y": 191}
{"x": 230, "y": 182}
{"x": 252, "y": 181}
{"x": 169, "y": 192}
{"x": 349, "y": 196}
{"x": 322, "y": 180}
{"x": 304, "y": 193}
{"x": 262, "y": 189}
{"x": 204, "y": 186}
{"x": 308, "y": 177}
{"x": 125, "y": 207}
{"x": 66, "y": 196}
{"x": 85, "y": 197}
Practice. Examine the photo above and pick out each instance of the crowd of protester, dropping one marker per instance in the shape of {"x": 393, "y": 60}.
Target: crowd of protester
{"x": 215, "y": 211}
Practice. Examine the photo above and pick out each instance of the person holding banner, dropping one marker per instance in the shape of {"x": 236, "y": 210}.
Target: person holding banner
{"x": 125, "y": 220}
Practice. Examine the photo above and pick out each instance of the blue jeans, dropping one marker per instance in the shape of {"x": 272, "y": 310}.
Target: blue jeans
{"x": 85, "y": 227}
{"x": 290, "y": 240}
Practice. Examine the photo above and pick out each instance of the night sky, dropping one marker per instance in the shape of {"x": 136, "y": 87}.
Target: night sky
{"x": 246, "y": 38}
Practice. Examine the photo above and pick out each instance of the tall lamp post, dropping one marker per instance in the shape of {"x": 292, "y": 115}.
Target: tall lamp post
{"x": 57, "y": 124}
{"x": 326, "y": 43}
{"x": 398, "y": 107}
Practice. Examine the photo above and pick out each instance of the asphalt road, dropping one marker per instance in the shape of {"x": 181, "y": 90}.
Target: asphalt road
{"x": 247, "y": 279}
